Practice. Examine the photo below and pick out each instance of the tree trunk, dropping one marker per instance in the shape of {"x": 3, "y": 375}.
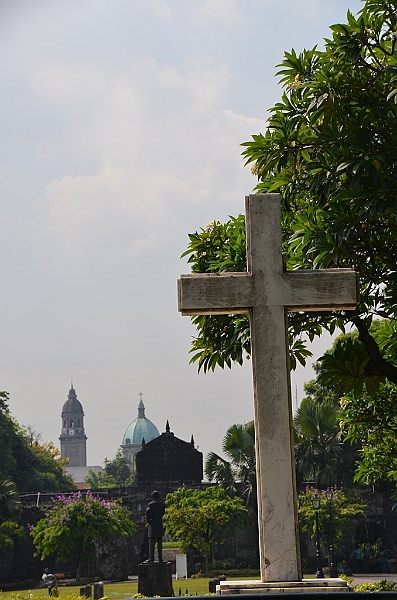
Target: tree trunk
{"x": 377, "y": 364}
{"x": 206, "y": 567}
{"x": 79, "y": 568}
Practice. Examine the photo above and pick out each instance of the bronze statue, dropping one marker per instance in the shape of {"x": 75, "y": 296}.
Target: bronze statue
{"x": 154, "y": 516}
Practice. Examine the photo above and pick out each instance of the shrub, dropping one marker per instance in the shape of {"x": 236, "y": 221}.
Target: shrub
{"x": 379, "y": 586}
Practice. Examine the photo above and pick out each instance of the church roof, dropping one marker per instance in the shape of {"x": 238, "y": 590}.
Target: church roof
{"x": 141, "y": 428}
{"x": 72, "y": 404}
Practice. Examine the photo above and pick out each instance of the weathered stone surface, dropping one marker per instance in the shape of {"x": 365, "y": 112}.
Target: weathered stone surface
{"x": 86, "y": 591}
{"x": 155, "y": 579}
{"x": 266, "y": 292}
{"x": 214, "y": 583}
{"x": 98, "y": 590}
{"x": 307, "y": 585}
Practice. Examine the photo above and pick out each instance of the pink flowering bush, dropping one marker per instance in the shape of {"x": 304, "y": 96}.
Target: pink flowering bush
{"x": 75, "y": 522}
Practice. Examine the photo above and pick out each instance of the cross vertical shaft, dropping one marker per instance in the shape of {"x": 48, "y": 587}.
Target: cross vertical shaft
{"x": 278, "y": 534}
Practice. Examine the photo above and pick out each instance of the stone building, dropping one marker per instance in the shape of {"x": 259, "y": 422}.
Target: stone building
{"x": 139, "y": 432}
{"x": 168, "y": 459}
{"x": 73, "y": 439}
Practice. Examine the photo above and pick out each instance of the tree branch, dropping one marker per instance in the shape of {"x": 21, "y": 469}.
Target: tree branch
{"x": 377, "y": 364}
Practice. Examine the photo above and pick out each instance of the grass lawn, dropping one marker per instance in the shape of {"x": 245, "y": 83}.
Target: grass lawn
{"x": 118, "y": 591}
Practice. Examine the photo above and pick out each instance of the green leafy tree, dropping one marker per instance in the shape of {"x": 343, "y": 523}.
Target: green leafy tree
{"x": 75, "y": 522}
{"x": 116, "y": 473}
{"x": 48, "y": 473}
{"x": 118, "y": 470}
{"x": 93, "y": 480}
{"x": 367, "y": 413}
{"x": 345, "y": 366}
{"x": 201, "y": 518}
{"x": 331, "y": 151}
{"x": 346, "y": 509}
{"x": 239, "y": 446}
{"x": 372, "y": 421}
{"x": 9, "y": 528}
{"x": 7, "y": 434}
{"x": 33, "y": 466}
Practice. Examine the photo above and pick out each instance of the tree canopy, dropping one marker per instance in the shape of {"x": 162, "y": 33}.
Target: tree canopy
{"x": 33, "y": 466}
{"x": 116, "y": 473}
{"x": 372, "y": 421}
{"x": 330, "y": 150}
{"x": 75, "y": 522}
{"x": 201, "y": 518}
{"x": 345, "y": 509}
{"x": 346, "y": 426}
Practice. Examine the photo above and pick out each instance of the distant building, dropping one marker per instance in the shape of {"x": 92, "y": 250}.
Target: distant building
{"x": 139, "y": 432}
{"x": 168, "y": 459}
{"x": 73, "y": 440}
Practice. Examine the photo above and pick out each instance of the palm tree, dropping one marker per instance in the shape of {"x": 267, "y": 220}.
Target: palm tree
{"x": 8, "y": 499}
{"x": 320, "y": 453}
{"x": 9, "y": 529}
{"x": 239, "y": 446}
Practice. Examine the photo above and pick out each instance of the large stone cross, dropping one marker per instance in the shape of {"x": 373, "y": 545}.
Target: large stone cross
{"x": 267, "y": 292}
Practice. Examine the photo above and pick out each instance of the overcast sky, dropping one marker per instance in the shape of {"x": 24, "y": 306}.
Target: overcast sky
{"x": 121, "y": 129}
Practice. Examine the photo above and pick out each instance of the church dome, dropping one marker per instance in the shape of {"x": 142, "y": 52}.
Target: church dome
{"x": 141, "y": 428}
{"x": 72, "y": 404}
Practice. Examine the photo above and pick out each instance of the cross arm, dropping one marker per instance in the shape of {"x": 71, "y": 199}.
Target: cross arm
{"x": 215, "y": 293}
{"x": 320, "y": 290}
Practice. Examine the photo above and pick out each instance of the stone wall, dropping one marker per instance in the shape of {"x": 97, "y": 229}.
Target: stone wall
{"x": 113, "y": 562}
{"x": 118, "y": 561}
{"x": 378, "y": 526}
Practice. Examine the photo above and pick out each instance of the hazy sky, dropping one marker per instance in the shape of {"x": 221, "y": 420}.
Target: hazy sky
{"x": 121, "y": 129}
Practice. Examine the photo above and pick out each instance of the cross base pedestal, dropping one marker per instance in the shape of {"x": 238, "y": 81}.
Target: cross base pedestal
{"x": 280, "y": 587}
{"x": 155, "y": 579}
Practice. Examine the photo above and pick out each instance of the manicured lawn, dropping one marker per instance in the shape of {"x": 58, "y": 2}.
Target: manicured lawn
{"x": 118, "y": 591}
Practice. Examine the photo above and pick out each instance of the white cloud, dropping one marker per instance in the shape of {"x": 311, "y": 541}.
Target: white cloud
{"x": 308, "y": 10}
{"x": 253, "y": 122}
{"x": 163, "y": 11}
{"x": 226, "y": 12}
{"x": 165, "y": 141}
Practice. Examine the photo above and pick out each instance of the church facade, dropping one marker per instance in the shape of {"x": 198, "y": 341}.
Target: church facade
{"x": 169, "y": 459}
{"x": 156, "y": 458}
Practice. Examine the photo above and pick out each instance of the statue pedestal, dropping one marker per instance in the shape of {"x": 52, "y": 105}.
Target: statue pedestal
{"x": 155, "y": 579}
{"x": 282, "y": 587}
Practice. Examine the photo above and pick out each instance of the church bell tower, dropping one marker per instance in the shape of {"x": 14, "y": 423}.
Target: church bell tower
{"x": 73, "y": 439}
